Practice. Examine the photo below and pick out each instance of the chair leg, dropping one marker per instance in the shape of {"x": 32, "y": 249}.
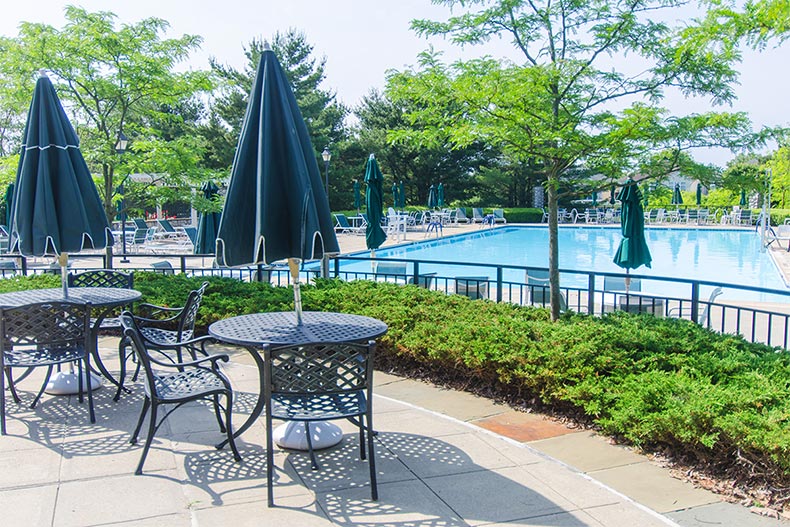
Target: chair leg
{"x": 146, "y": 405}
{"x": 148, "y": 440}
{"x": 362, "y": 437}
{"x": 80, "y": 382}
{"x": 12, "y": 385}
{"x": 313, "y": 461}
{"x": 2, "y": 399}
{"x": 222, "y": 426}
{"x": 231, "y": 440}
{"x": 269, "y": 460}
{"x": 122, "y": 372}
{"x": 43, "y": 387}
{"x": 91, "y": 412}
{"x": 374, "y": 491}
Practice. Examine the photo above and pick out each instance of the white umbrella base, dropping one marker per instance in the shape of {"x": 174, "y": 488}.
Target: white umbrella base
{"x": 63, "y": 383}
{"x": 291, "y": 435}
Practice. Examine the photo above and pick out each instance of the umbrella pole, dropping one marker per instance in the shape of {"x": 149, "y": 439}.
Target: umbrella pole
{"x": 63, "y": 261}
{"x": 293, "y": 266}
{"x": 627, "y": 280}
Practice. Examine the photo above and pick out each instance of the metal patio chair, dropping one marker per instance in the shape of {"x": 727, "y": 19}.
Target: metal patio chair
{"x": 103, "y": 278}
{"x": 177, "y": 383}
{"x": 320, "y": 382}
{"x": 173, "y": 331}
{"x": 45, "y": 334}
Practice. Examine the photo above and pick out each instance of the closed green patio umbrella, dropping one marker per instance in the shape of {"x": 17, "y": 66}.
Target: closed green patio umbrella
{"x": 276, "y": 206}
{"x": 742, "y": 203}
{"x": 432, "y": 197}
{"x": 677, "y": 198}
{"x": 402, "y": 195}
{"x": 9, "y": 204}
{"x": 440, "y": 195}
{"x": 208, "y": 225}
{"x": 632, "y": 251}
{"x": 395, "y": 198}
{"x": 594, "y": 199}
{"x": 56, "y": 208}
{"x": 374, "y": 234}
{"x": 699, "y": 194}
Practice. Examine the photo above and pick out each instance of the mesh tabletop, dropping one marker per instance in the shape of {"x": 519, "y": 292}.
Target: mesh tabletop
{"x": 280, "y": 328}
{"x": 97, "y": 296}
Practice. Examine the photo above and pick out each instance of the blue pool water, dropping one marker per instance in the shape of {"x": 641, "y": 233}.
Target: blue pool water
{"x": 725, "y": 256}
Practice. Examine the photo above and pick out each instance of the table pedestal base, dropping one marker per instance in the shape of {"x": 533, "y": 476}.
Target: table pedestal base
{"x": 63, "y": 383}
{"x": 291, "y": 435}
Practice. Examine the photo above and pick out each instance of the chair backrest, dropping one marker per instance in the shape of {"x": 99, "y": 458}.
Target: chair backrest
{"x": 101, "y": 278}
{"x": 342, "y": 221}
{"x": 538, "y": 288}
{"x": 617, "y": 283}
{"x": 140, "y": 236}
{"x": 385, "y": 267}
{"x": 163, "y": 267}
{"x": 424, "y": 280}
{"x": 136, "y": 341}
{"x": 166, "y": 226}
{"x": 64, "y": 324}
{"x": 705, "y": 315}
{"x": 460, "y": 213}
{"x": 191, "y": 234}
{"x": 477, "y": 213}
{"x": 473, "y": 287}
{"x": 140, "y": 223}
{"x": 318, "y": 368}
{"x": 186, "y": 324}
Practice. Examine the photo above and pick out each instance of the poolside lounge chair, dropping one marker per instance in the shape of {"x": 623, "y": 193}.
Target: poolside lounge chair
{"x": 396, "y": 224}
{"x": 745, "y": 217}
{"x": 474, "y": 287}
{"x": 424, "y": 280}
{"x": 477, "y": 215}
{"x": 617, "y": 283}
{"x": 391, "y": 271}
{"x": 703, "y": 316}
{"x": 499, "y": 216}
{"x": 171, "y": 233}
{"x": 163, "y": 267}
{"x": 344, "y": 226}
{"x": 779, "y": 234}
{"x": 460, "y": 215}
{"x": 538, "y": 292}
{"x": 692, "y": 216}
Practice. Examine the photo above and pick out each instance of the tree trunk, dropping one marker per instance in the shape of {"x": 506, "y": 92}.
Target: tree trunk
{"x": 554, "y": 253}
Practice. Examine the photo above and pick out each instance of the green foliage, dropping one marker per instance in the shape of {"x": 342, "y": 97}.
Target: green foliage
{"x": 654, "y": 381}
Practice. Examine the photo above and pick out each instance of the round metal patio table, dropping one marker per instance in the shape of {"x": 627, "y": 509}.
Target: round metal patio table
{"x": 279, "y": 328}
{"x": 102, "y": 300}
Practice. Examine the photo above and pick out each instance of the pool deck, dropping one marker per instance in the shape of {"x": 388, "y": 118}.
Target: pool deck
{"x": 444, "y": 459}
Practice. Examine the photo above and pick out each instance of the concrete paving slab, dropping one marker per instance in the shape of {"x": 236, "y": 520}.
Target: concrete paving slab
{"x": 31, "y": 506}
{"x": 489, "y": 496}
{"x": 112, "y": 455}
{"x": 301, "y": 511}
{"x": 562, "y": 519}
{"x": 723, "y": 513}
{"x": 38, "y": 468}
{"x": 111, "y": 500}
{"x": 168, "y": 520}
{"x": 583, "y": 495}
{"x": 654, "y": 487}
{"x": 416, "y": 422}
{"x": 625, "y": 514}
{"x": 587, "y": 451}
{"x": 461, "y": 405}
{"x": 403, "y": 503}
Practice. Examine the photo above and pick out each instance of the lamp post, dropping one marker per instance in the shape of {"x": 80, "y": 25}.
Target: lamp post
{"x": 327, "y": 156}
{"x": 120, "y": 148}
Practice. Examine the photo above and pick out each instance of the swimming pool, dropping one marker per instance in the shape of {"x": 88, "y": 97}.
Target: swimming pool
{"x": 725, "y": 256}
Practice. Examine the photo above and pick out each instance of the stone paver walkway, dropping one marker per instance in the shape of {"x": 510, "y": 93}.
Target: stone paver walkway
{"x": 444, "y": 459}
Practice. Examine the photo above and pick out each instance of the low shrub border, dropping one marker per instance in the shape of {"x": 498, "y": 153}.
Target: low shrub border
{"x": 712, "y": 400}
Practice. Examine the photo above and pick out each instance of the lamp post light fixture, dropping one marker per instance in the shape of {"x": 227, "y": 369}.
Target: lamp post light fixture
{"x": 120, "y": 149}
{"x": 327, "y": 156}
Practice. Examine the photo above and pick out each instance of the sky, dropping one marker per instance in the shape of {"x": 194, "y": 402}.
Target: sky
{"x": 362, "y": 39}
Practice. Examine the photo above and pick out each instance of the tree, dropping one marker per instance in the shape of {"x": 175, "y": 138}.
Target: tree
{"x": 418, "y": 165}
{"x": 588, "y": 91}
{"x": 111, "y": 80}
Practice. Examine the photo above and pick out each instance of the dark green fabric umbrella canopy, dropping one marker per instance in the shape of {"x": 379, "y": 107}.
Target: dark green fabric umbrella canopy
{"x": 374, "y": 234}
{"x": 440, "y": 195}
{"x": 9, "y": 204}
{"x": 742, "y": 203}
{"x": 632, "y": 251}
{"x": 677, "y": 198}
{"x": 402, "y": 195}
{"x": 276, "y": 206}
{"x": 57, "y": 209}
{"x": 699, "y": 194}
{"x": 208, "y": 225}
{"x": 432, "y": 197}
{"x": 395, "y": 197}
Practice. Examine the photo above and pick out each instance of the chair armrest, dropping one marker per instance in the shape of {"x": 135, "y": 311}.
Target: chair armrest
{"x": 149, "y": 311}
{"x": 224, "y": 357}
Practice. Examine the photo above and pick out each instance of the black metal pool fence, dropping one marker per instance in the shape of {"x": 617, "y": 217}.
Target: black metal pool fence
{"x": 721, "y": 307}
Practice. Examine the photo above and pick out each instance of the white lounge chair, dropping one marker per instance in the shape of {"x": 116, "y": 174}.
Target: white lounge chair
{"x": 779, "y": 234}
{"x": 499, "y": 216}
{"x": 474, "y": 287}
{"x": 538, "y": 292}
{"x": 703, "y": 314}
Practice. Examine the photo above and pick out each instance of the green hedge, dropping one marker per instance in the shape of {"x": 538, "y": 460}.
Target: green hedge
{"x": 653, "y": 381}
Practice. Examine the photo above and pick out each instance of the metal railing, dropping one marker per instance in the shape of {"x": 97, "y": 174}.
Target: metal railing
{"x": 756, "y": 321}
